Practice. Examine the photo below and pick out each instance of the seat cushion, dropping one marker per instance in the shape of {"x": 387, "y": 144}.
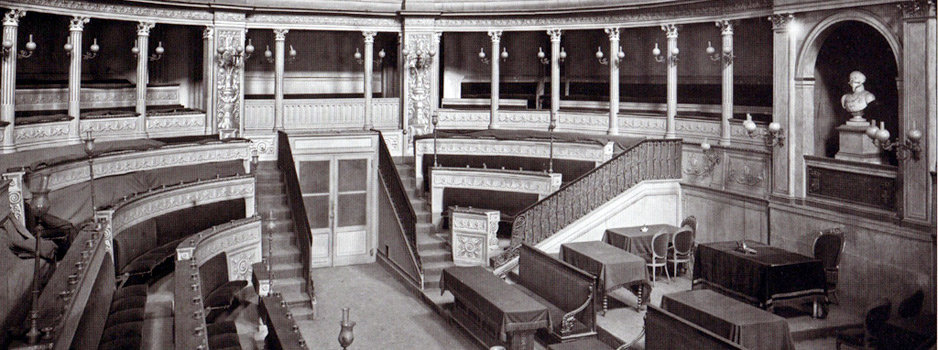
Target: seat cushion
{"x": 122, "y": 330}
{"x": 225, "y": 295}
{"x": 124, "y": 316}
{"x": 126, "y": 343}
{"x": 128, "y": 303}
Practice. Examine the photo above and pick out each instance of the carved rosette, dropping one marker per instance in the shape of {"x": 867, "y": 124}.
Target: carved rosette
{"x": 229, "y": 71}
{"x": 469, "y": 247}
{"x": 239, "y": 265}
{"x": 418, "y": 85}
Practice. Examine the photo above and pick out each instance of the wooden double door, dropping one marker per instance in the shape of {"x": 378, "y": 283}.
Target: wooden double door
{"x": 337, "y": 191}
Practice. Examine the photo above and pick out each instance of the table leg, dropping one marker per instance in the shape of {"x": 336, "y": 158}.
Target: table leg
{"x": 605, "y": 304}
{"x": 641, "y": 294}
{"x": 521, "y": 340}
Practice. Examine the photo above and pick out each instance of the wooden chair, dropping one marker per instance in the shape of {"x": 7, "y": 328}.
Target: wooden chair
{"x": 829, "y": 248}
{"x": 682, "y": 247}
{"x": 868, "y": 337}
{"x": 691, "y": 222}
{"x": 659, "y": 251}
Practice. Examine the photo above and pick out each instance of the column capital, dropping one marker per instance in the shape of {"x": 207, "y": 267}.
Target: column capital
{"x": 436, "y": 37}
{"x": 495, "y": 35}
{"x": 280, "y": 34}
{"x": 670, "y": 30}
{"x": 726, "y": 26}
{"x": 77, "y": 23}
{"x": 12, "y": 17}
{"x": 555, "y": 34}
{"x": 143, "y": 28}
{"x": 613, "y": 33}
{"x": 780, "y": 22}
{"x": 369, "y": 36}
{"x": 917, "y": 8}
{"x": 208, "y": 32}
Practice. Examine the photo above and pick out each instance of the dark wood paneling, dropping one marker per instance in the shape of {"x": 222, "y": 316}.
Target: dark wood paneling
{"x": 863, "y": 189}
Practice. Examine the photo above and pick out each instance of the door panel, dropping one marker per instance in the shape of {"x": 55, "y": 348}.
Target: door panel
{"x": 336, "y": 194}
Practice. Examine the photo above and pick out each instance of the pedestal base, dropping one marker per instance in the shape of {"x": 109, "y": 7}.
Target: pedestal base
{"x": 856, "y": 146}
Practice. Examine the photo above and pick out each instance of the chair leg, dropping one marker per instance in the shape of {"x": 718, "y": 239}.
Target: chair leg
{"x": 653, "y": 272}
{"x": 675, "y": 268}
{"x": 666, "y": 271}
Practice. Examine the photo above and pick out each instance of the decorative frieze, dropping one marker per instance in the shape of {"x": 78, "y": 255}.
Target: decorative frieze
{"x": 325, "y": 21}
{"x": 109, "y": 127}
{"x": 37, "y": 135}
{"x": 57, "y": 98}
{"x": 538, "y": 183}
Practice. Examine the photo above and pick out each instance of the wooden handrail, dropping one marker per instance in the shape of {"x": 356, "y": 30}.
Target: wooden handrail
{"x": 297, "y": 208}
{"x": 397, "y": 193}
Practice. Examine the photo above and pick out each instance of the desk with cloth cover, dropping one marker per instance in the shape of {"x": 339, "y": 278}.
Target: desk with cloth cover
{"x": 613, "y": 267}
{"x": 492, "y": 310}
{"x": 769, "y": 276}
{"x": 634, "y": 240}
{"x": 739, "y": 322}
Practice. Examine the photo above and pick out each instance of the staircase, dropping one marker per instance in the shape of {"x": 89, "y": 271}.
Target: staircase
{"x": 286, "y": 266}
{"x": 432, "y": 246}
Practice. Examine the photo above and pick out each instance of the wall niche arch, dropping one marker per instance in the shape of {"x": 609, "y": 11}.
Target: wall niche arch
{"x": 843, "y": 47}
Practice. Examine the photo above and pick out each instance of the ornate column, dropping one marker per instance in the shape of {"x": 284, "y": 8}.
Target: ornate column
{"x": 11, "y": 21}
{"x": 369, "y": 76}
{"x": 143, "y": 58}
{"x": 613, "y": 34}
{"x": 75, "y": 28}
{"x": 726, "y": 28}
{"x": 917, "y": 111}
{"x": 783, "y": 97}
{"x": 418, "y": 52}
{"x": 554, "y": 73}
{"x": 496, "y": 36}
{"x": 208, "y": 78}
{"x": 671, "y": 32}
{"x": 280, "y": 37}
{"x": 229, "y": 73}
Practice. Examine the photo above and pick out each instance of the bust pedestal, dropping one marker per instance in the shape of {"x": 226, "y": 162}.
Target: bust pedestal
{"x": 855, "y": 145}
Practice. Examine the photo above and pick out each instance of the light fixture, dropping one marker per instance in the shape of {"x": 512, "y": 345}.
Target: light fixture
{"x": 291, "y": 55}
{"x": 545, "y": 59}
{"x": 672, "y": 58}
{"x": 774, "y": 135}
{"x": 726, "y": 55}
{"x": 905, "y": 149}
{"x": 346, "y": 335}
{"x": 605, "y": 61}
{"x": 248, "y": 49}
{"x": 712, "y": 159}
{"x": 268, "y": 55}
{"x": 230, "y": 56}
{"x": 8, "y": 49}
{"x": 157, "y": 52}
{"x": 89, "y": 151}
{"x": 92, "y": 50}
{"x": 40, "y": 206}
{"x": 482, "y": 56}
{"x": 361, "y": 59}
{"x": 418, "y": 58}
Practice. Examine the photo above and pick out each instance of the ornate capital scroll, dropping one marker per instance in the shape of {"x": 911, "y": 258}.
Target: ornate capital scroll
{"x": 670, "y": 30}
{"x": 280, "y": 34}
{"x": 143, "y": 28}
{"x": 917, "y": 8}
{"x": 12, "y": 17}
{"x": 495, "y": 35}
{"x": 613, "y": 33}
{"x": 726, "y": 27}
{"x": 77, "y": 23}
{"x": 780, "y": 22}
{"x": 208, "y": 32}
{"x": 554, "y": 34}
{"x": 369, "y": 36}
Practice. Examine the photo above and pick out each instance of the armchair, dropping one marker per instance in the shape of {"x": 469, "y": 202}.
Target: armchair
{"x": 829, "y": 248}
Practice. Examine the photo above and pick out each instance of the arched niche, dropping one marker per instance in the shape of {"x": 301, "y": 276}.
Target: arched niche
{"x": 842, "y": 43}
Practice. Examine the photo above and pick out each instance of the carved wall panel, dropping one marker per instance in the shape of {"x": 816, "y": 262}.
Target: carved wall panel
{"x": 176, "y": 125}
{"x": 15, "y": 195}
{"x": 418, "y": 91}
{"x": 229, "y": 72}
{"x": 32, "y": 136}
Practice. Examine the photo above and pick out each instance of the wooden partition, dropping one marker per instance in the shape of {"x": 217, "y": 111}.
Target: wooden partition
{"x": 310, "y": 114}
{"x": 508, "y": 148}
{"x": 152, "y": 204}
{"x": 540, "y": 183}
{"x": 240, "y": 241}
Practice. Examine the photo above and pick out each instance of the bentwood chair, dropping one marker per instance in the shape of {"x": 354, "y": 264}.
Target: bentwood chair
{"x": 873, "y": 328}
{"x": 829, "y": 248}
{"x": 682, "y": 247}
{"x": 659, "y": 255}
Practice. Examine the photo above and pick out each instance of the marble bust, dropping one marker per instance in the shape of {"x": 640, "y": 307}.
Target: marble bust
{"x": 857, "y": 101}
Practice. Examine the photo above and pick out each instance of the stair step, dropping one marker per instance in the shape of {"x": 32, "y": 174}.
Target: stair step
{"x": 294, "y": 297}
{"x": 435, "y": 255}
{"x": 285, "y": 255}
{"x": 269, "y": 200}
{"x": 302, "y": 312}
{"x": 438, "y": 298}
{"x": 436, "y": 267}
{"x": 293, "y": 269}
{"x": 271, "y": 188}
{"x": 268, "y": 165}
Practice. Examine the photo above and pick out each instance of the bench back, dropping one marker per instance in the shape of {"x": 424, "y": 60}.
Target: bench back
{"x": 666, "y": 331}
{"x": 558, "y": 282}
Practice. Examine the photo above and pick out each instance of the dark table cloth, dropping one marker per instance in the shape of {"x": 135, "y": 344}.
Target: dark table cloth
{"x": 614, "y": 267}
{"x": 633, "y": 240}
{"x": 742, "y": 323}
{"x": 493, "y": 298}
{"x": 772, "y": 274}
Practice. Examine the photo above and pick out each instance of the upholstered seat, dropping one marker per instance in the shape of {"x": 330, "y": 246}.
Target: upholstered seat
{"x": 122, "y": 330}
{"x": 124, "y": 316}
{"x": 126, "y": 343}
{"x": 129, "y": 291}
{"x": 127, "y": 303}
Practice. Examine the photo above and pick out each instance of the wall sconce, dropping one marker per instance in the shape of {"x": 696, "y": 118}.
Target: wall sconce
{"x": 157, "y": 52}
{"x": 774, "y": 135}
{"x": 360, "y": 59}
{"x": 269, "y": 55}
{"x": 727, "y": 54}
{"x": 605, "y": 61}
{"x": 91, "y": 54}
{"x": 419, "y": 58}
{"x": 904, "y": 150}
{"x": 545, "y": 59}
{"x": 504, "y": 55}
{"x": 8, "y": 48}
{"x": 671, "y": 59}
{"x": 234, "y": 56}
{"x": 712, "y": 158}
{"x": 248, "y": 49}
